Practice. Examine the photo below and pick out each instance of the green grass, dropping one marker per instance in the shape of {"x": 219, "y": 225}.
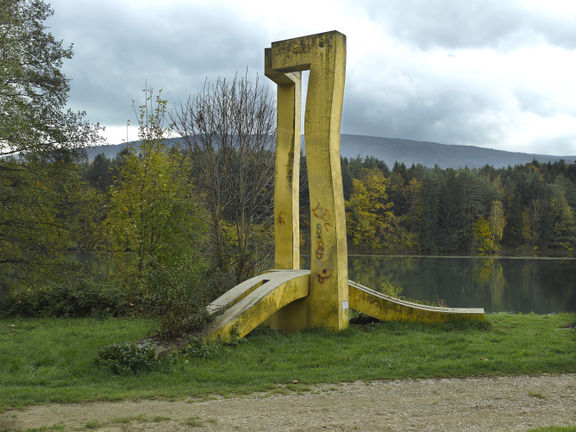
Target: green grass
{"x": 194, "y": 422}
{"x": 53, "y": 360}
{"x": 47, "y": 428}
{"x": 554, "y": 429}
{"x": 95, "y": 424}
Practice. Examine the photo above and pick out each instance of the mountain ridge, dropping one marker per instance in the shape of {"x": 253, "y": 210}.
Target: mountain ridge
{"x": 429, "y": 154}
{"x": 391, "y": 150}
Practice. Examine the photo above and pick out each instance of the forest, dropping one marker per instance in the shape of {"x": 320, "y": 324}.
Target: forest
{"x": 525, "y": 210}
{"x": 152, "y": 204}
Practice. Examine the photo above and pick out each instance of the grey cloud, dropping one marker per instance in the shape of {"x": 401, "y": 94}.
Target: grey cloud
{"x": 117, "y": 51}
{"x": 452, "y": 115}
{"x": 455, "y": 24}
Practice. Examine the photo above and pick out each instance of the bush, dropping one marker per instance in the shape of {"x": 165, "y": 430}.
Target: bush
{"x": 80, "y": 299}
{"x": 201, "y": 348}
{"x": 128, "y": 358}
{"x": 177, "y": 296}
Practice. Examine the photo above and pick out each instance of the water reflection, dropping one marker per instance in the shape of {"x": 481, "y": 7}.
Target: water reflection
{"x": 496, "y": 284}
{"x": 525, "y": 285}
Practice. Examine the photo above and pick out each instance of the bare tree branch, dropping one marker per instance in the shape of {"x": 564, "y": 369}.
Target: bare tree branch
{"x": 228, "y": 128}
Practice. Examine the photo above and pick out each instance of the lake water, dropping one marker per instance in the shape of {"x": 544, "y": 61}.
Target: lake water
{"x": 539, "y": 285}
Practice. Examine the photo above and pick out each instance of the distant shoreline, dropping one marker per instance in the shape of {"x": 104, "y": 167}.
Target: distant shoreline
{"x": 503, "y": 257}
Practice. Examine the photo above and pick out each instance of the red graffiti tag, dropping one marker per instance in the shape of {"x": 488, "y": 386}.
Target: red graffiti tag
{"x": 319, "y": 252}
{"x": 321, "y": 213}
{"x": 323, "y": 275}
{"x": 280, "y": 219}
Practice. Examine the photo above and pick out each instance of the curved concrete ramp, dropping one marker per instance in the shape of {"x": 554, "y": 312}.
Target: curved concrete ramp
{"x": 247, "y": 305}
{"x": 386, "y": 308}
{"x": 252, "y": 302}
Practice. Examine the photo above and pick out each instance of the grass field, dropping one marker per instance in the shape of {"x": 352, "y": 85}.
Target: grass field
{"x": 554, "y": 429}
{"x": 54, "y": 360}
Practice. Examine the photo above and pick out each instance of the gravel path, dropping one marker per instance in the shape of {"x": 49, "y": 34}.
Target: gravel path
{"x": 472, "y": 404}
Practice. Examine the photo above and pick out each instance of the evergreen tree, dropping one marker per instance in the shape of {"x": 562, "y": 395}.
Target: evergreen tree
{"x": 100, "y": 173}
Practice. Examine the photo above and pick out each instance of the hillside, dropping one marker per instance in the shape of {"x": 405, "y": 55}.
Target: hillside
{"x": 409, "y": 152}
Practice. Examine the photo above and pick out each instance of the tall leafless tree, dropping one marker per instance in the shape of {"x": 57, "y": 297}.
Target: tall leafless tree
{"x": 228, "y": 128}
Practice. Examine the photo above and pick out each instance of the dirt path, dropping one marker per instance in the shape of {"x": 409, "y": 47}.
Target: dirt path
{"x": 473, "y": 404}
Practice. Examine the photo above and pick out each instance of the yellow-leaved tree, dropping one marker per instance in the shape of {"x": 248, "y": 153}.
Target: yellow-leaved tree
{"x": 368, "y": 211}
{"x": 154, "y": 216}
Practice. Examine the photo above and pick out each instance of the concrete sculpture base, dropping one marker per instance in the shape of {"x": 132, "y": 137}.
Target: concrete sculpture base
{"x": 246, "y": 306}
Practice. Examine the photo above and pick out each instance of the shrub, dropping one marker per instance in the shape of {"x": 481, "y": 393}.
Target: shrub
{"x": 388, "y": 288}
{"x": 127, "y": 358}
{"x": 201, "y": 348}
{"x": 74, "y": 299}
{"x": 177, "y": 296}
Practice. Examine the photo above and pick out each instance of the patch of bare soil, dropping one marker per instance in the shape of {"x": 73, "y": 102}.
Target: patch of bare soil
{"x": 472, "y": 404}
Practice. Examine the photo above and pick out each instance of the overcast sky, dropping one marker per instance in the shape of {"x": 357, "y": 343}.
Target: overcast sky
{"x": 491, "y": 73}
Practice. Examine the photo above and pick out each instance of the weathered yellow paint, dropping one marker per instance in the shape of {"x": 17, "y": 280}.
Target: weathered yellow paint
{"x": 287, "y": 169}
{"x": 287, "y": 189}
{"x": 260, "y": 297}
{"x": 324, "y": 55}
{"x": 386, "y": 308}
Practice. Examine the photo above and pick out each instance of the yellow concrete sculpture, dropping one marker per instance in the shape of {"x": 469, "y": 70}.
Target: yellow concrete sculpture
{"x": 325, "y": 56}
{"x": 289, "y": 298}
